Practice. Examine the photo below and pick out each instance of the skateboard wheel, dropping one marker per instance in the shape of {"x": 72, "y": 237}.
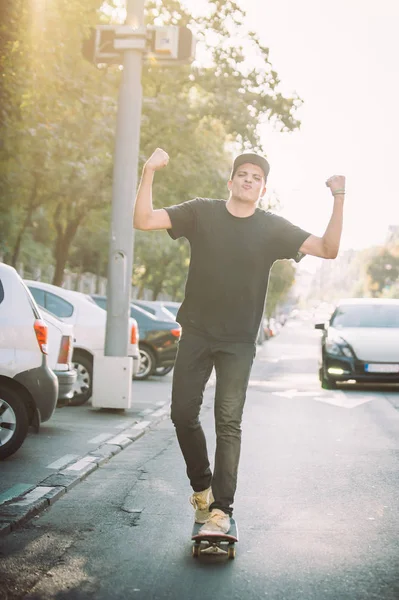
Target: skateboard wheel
{"x": 196, "y": 550}
{"x": 231, "y": 552}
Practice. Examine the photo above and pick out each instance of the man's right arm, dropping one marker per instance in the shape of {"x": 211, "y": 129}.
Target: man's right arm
{"x": 145, "y": 217}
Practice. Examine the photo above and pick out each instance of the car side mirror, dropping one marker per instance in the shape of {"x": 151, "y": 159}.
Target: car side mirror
{"x": 320, "y": 326}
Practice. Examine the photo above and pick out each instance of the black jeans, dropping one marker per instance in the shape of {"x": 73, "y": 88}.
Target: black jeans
{"x": 194, "y": 362}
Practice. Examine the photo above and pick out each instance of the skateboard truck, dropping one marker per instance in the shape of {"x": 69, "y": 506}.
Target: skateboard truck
{"x": 215, "y": 549}
{"x": 216, "y": 544}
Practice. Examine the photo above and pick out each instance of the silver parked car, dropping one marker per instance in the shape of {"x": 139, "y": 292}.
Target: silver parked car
{"x": 157, "y": 308}
{"x": 360, "y": 342}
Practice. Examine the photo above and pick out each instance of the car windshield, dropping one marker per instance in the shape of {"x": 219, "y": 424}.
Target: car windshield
{"x": 366, "y": 315}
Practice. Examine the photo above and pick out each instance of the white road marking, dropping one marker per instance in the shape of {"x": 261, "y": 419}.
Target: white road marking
{"x": 295, "y": 393}
{"x": 335, "y": 398}
{"x": 269, "y": 360}
{"x": 118, "y": 439}
{"x": 100, "y": 438}
{"x": 82, "y": 463}
{"x": 294, "y": 356}
{"x": 13, "y": 492}
{"x": 306, "y": 381}
{"x": 141, "y": 425}
{"x": 343, "y": 400}
{"x": 125, "y": 424}
{"x": 34, "y": 495}
{"x": 274, "y": 384}
{"x": 61, "y": 462}
{"x": 160, "y": 412}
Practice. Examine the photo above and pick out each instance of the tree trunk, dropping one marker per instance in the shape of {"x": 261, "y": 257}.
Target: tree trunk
{"x": 25, "y": 224}
{"x": 159, "y": 284}
{"x": 157, "y": 289}
{"x": 60, "y": 262}
{"x": 63, "y": 242}
{"x": 140, "y": 291}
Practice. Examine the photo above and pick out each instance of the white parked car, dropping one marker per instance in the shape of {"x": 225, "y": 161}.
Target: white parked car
{"x": 28, "y": 387}
{"x": 60, "y": 350}
{"x": 89, "y": 323}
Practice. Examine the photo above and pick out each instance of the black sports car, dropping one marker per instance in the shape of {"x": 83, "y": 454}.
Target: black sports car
{"x": 360, "y": 343}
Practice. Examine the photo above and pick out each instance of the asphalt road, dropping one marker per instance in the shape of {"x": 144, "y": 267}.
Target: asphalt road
{"x": 316, "y": 506}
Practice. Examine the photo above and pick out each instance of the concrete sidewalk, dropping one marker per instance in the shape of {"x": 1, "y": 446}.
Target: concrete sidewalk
{"x": 20, "y": 502}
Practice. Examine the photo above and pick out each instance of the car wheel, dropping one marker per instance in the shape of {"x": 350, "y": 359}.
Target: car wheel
{"x": 163, "y": 370}
{"x": 14, "y": 422}
{"x": 82, "y": 389}
{"x": 326, "y": 382}
{"x": 147, "y": 363}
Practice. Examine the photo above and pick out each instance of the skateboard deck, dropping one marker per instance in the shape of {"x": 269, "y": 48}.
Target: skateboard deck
{"x": 215, "y": 543}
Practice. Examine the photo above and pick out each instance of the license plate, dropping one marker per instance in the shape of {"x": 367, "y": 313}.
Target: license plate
{"x": 381, "y": 368}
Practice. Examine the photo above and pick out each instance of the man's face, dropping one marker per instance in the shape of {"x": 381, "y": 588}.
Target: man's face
{"x": 248, "y": 183}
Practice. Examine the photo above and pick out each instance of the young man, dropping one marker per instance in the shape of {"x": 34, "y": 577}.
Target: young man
{"x": 233, "y": 246}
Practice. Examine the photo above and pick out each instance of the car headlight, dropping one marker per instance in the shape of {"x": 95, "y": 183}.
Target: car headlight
{"x": 338, "y": 347}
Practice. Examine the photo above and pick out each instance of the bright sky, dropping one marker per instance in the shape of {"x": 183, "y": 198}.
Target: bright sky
{"x": 341, "y": 58}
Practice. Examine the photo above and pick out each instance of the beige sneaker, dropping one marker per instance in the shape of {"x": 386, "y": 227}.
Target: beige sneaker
{"x": 201, "y": 502}
{"x": 218, "y": 522}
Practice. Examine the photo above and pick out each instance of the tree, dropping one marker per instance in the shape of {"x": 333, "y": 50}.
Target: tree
{"x": 383, "y": 271}
{"x": 235, "y": 83}
{"x": 200, "y": 115}
{"x": 9, "y": 101}
{"x": 56, "y": 154}
{"x": 56, "y": 160}
{"x": 282, "y": 278}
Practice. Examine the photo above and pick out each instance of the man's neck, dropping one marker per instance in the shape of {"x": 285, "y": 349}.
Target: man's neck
{"x": 240, "y": 209}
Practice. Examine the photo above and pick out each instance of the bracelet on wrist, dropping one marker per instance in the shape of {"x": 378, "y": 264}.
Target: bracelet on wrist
{"x": 338, "y": 193}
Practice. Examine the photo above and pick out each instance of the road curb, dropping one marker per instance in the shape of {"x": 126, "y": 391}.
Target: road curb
{"x": 17, "y": 511}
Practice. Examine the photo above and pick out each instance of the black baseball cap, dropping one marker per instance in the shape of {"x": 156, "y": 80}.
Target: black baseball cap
{"x": 253, "y": 159}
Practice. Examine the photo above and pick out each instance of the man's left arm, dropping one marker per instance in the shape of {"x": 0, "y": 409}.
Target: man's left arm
{"x": 327, "y": 246}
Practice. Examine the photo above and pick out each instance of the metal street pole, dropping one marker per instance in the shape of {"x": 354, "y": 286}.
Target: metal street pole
{"x": 112, "y": 372}
{"x": 127, "y": 142}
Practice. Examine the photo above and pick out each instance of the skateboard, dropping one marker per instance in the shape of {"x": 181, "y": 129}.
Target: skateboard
{"x": 215, "y": 543}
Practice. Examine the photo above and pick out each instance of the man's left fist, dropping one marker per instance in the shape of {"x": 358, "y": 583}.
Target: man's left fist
{"x": 336, "y": 183}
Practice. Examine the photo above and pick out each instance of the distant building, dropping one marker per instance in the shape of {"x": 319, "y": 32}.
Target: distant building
{"x": 392, "y": 236}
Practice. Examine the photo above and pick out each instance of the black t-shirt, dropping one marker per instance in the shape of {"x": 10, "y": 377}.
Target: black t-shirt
{"x": 229, "y": 268}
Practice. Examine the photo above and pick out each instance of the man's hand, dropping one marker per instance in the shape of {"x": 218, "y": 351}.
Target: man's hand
{"x": 158, "y": 160}
{"x": 336, "y": 183}
{"x": 145, "y": 217}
